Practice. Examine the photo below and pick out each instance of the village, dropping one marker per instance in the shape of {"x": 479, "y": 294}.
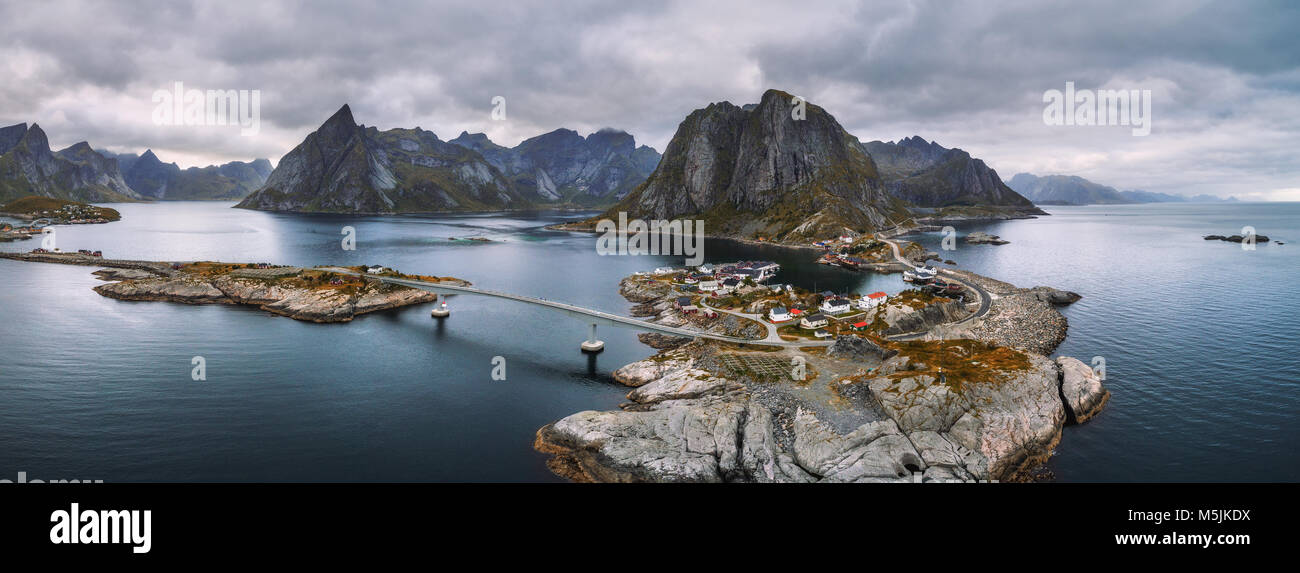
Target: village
{"x": 741, "y": 289}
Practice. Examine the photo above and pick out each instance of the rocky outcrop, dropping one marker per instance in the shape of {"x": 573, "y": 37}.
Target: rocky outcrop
{"x": 343, "y": 167}
{"x": 859, "y": 349}
{"x": 1236, "y": 238}
{"x": 982, "y": 238}
{"x": 765, "y": 171}
{"x": 299, "y": 303}
{"x": 597, "y": 170}
{"x": 902, "y": 319}
{"x": 685, "y": 424}
{"x": 77, "y": 173}
{"x": 1081, "y": 390}
{"x": 927, "y": 174}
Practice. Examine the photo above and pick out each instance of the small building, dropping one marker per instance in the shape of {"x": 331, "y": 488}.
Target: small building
{"x": 813, "y": 321}
{"x": 779, "y": 314}
{"x": 860, "y": 325}
{"x": 706, "y": 269}
{"x": 820, "y": 333}
{"x": 708, "y": 313}
{"x": 708, "y": 286}
{"x": 835, "y": 305}
{"x": 664, "y": 271}
{"x": 375, "y": 270}
{"x": 683, "y": 302}
{"x": 872, "y": 300}
{"x": 690, "y": 309}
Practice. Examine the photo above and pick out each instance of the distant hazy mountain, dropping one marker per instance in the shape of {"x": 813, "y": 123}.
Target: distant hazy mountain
{"x": 927, "y": 174}
{"x": 563, "y": 166}
{"x": 1065, "y": 190}
{"x": 29, "y": 167}
{"x": 754, "y": 171}
{"x": 343, "y": 167}
{"x": 150, "y": 177}
{"x": 1075, "y": 190}
{"x": 1138, "y": 196}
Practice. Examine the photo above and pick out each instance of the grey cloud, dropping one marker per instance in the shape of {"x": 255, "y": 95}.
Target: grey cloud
{"x": 970, "y": 74}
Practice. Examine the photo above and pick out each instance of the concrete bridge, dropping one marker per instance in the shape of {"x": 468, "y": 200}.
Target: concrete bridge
{"x": 592, "y": 317}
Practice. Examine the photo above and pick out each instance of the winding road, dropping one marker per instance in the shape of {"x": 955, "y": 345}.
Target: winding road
{"x": 986, "y": 300}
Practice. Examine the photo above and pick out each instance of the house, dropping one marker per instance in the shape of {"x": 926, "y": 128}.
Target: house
{"x": 813, "y": 321}
{"x": 779, "y": 314}
{"x": 375, "y": 270}
{"x": 821, "y": 333}
{"x": 872, "y": 300}
{"x": 709, "y": 313}
{"x": 708, "y": 286}
{"x": 706, "y": 269}
{"x": 729, "y": 285}
{"x": 683, "y": 302}
{"x": 860, "y": 325}
{"x": 835, "y": 305}
{"x": 690, "y": 309}
{"x": 664, "y": 271}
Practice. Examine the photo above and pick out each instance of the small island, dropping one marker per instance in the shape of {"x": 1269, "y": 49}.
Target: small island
{"x": 50, "y": 211}
{"x": 316, "y": 294}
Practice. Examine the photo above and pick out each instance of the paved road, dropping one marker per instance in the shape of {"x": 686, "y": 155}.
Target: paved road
{"x": 586, "y": 314}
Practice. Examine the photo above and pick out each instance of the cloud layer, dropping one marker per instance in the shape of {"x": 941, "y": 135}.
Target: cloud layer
{"x": 1225, "y": 77}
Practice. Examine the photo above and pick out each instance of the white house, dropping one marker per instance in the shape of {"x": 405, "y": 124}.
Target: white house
{"x": 708, "y": 286}
{"x": 779, "y": 314}
{"x": 375, "y": 270}
{"x": 835, "y": 305}
{"x": 873, "y": 300}
{"x": 664, "y": 271}
{"x": 813, "y": 321}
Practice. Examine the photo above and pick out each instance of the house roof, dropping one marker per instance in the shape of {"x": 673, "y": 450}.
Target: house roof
{"x": 877, "y": 295}
{"x": 780, "y": 310}
{"x": 862, "y": 324}
{"x": 816, "y": 317}
{"x": 683, "y": 300}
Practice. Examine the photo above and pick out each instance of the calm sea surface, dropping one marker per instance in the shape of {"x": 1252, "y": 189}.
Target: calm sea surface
{"x": 1199, "y": 340}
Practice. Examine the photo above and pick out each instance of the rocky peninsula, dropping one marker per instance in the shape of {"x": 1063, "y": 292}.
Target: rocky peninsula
{"x": 319, "y": 294}
{"x": 972, "y": 397}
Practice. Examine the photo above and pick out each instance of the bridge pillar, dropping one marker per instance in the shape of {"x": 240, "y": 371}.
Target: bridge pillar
{"x": 440, "y": 311}
{"x": 592, "y": 345}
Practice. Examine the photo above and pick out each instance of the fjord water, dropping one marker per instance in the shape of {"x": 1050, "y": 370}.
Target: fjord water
{"x": 1199, "y": 340}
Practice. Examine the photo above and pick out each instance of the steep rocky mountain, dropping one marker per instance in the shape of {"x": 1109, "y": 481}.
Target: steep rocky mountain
{"x": 1065, "y": 190}
{"x": 927, "y": 174}
{"x": 563, "y": 166}
{"x": 150, "y": 177}
{"x": 343, "y": 167}
{"x": 757, "y": 172}
{"x": 29, "y": 167}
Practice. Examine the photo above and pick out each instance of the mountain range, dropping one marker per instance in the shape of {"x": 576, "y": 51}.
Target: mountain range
{"x": 1075, "y": 190}
{"x": 151, "y": 178}
{"x": 347, "y": 167}
{"x": 564, "y": 166}
{"x": 758, "y": 172}
{"x": 77, "y": 173}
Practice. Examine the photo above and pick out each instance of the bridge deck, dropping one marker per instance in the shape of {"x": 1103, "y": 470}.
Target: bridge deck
{"x": 589, "y": 315}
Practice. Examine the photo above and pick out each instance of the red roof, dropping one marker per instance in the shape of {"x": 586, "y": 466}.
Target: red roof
{"x": 877, "y": 295}
{"x": 795, "y": 311}
{"x": 862, "y": 324}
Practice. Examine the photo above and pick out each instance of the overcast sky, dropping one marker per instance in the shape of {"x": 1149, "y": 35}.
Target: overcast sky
{"x": 1224, "y": 77}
